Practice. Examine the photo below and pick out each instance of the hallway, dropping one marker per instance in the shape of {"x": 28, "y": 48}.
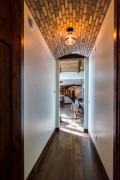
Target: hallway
{"x": 38, "y": 39}
{"x": 70, "y": 156}
{"x": 41, "y": 88}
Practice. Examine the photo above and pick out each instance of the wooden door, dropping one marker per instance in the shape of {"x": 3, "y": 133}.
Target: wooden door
{"x": 11, "y": 90}
{"x": 116, "y": 135}
{"x": 5, "y": 112}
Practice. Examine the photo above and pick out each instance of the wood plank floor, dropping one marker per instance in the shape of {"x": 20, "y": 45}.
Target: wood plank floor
{"x": 70, "y": 156}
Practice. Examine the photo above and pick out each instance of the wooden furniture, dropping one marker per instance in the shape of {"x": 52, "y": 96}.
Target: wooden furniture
{"x": 81, "y": 115}
{"x": 80, "y": 112}
{"x": 61, "y": 101}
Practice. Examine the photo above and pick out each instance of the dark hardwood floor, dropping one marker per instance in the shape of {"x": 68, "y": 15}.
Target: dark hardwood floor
{"x": 70, "y": 156}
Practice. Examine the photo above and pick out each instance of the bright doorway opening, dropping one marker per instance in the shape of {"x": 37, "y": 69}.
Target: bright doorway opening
{"x": 71, "y": 95}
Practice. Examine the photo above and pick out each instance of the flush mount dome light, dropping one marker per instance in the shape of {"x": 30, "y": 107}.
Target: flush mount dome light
{"x": 70, "y": 37}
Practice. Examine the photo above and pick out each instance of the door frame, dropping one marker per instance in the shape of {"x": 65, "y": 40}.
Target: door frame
{"x": 13, "y": 36}
{"x": 116, "y": 122}
{"x": 116, "y": 125}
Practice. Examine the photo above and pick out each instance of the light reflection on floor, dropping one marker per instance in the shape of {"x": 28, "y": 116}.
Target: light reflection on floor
{"x": 69, "y": 122}
{"x": 72, "y": 125}
{"x": 69, "y": 119}
{"x": 65, "y": 118}
{"x": 72, "y": 132}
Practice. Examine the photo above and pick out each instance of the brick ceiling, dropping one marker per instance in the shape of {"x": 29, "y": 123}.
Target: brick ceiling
{"x": 53, "y": 17}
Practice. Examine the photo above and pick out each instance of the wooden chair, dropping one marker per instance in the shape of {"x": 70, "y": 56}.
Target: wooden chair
{"x": 79, "y": 115}
{"x": 80, "y": 112}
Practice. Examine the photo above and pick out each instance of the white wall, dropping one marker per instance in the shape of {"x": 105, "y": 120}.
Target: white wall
{"x": 57, "y": 94}
{"x": 101, "y": 92}
{"x": 78, "y": 93}
{"x": 86, "y": 91}
{"x": 71, "y": 75}
{"x": 67, "y": 100}
{"x": 39, "y": 96}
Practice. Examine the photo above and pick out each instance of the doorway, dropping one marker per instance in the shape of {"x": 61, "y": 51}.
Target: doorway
{"x": 71, "y": 92}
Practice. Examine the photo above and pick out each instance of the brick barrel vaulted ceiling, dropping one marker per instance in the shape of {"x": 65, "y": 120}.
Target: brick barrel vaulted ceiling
{"x": 53, "y": 17}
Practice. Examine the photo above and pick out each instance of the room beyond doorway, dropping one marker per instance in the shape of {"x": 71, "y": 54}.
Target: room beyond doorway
{"x": 72, "y": 93}
{"x": 72, "y": 69}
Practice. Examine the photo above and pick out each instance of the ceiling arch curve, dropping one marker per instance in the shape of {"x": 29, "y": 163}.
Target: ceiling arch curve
{"x": 72, "y": 56}
{"x": 53, "y": 17}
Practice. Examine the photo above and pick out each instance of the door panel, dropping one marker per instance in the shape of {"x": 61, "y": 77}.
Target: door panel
{"x": 11, "y": 90}
{"x": 5, "y": 112}
{"x": 116, "y": 125}
{"x": 5, "y": 13}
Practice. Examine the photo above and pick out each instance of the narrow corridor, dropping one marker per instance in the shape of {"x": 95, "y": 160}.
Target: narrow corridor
{"x": 70, "y": 156}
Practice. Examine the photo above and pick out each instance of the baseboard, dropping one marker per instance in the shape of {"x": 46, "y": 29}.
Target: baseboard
{"x": 57, "y": 129}
{"x": 85, "y": 130}
{"x": 98, "y": 157}
{"x": 67, "y": 103}
{"x": 41, "y": 156}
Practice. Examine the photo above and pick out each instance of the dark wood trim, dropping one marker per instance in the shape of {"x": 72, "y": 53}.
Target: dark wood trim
{"x": 116, "y": 123}
{"x": 22, "y": 89}
{"x": 79, "y": 62}
{"x": 57, "y": 129}
{"x": 71, "y": 57}
{"x": 98, "y": 157}
{"x": 85, "y": 130}
{"x": 41, "y": 156}
{"x": 6, "y": 35}
{"x": 68, "y": 86}
{"x": 12, "y": 130}
{"x": 60, "y": 69}
{"x": 67, "y": 103}
{"x": 18, "y": 93}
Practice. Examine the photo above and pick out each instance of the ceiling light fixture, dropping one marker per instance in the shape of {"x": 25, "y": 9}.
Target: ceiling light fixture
{"x": 70, "y": 37}
{"x": 31, "y": 23}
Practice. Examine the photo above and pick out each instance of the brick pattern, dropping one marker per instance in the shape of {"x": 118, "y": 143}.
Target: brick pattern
{"x": 53, "y": 17}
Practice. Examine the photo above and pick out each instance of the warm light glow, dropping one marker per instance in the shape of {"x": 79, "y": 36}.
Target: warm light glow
{"x": 114, "y": 35}
{"x": 83, "y": 86}
{"x": 60, "y": 33}
{"x": 70, "y": 35}
{"x": 70, "y": 39}
{"x": 22, "y": 42}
